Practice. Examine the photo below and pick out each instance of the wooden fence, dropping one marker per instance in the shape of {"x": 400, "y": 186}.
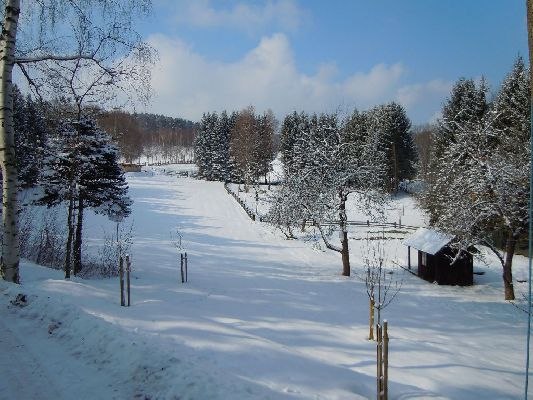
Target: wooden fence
{"x": 368, "y": 223}
{"x": 241, "y": 202}
{"x": 378, "y": 224}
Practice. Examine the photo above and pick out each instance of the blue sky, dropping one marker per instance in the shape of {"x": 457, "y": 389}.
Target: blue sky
{"x": 327, "y": 55}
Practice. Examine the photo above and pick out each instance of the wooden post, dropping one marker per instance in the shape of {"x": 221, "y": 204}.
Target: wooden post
{"x": 181, "y": 268}
{"x": 409, "y": 257}
{"x": 128, "y": 270}
{"x": 385, "y": 360}
{"x": 379, "y": 364}
{"x": 371, "y": 333}
{"x": 186, "y": 272}
{"x": 121, "y": 275}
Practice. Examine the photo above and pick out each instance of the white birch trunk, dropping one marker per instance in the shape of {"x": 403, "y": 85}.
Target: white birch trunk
{"x": 10, "y": 244}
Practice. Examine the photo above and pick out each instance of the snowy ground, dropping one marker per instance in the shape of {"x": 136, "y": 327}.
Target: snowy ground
{"x": 261, "y": 317}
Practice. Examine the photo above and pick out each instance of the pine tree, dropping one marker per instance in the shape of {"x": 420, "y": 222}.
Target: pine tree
{"x": 391, "y": 123}
{"x": 30, "y": 138}
{"x": 103, "y": 188}
{"x": 203, "y": 145}
{"x": 82, "y": 170}
{"x": 466, "y": 108}
{"x": 264, "y": 148}
{"x": 221, "y": 145}
{"x": 510, "y": 107}
{"x": 288, "y": 136}
{"x": 301, "y": 147}
{"x": 467, "y": 105}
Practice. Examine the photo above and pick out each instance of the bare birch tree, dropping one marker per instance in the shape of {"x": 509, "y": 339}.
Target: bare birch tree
{"x": 93, "y": 42}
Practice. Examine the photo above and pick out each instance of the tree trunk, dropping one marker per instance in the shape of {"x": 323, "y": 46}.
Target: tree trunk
{"x": 344, "y": 239}
{"x": 345, "y": 254}
{"x": 78, "y": 238}
{"x": 510, "y": 246}
{"x": 70, "y": 236}
{"x": 395, "y": 176}
{"x": 10, "y": 244}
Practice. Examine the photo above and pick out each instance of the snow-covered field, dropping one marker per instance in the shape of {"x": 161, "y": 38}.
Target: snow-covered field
{"x": 261, "y": 317}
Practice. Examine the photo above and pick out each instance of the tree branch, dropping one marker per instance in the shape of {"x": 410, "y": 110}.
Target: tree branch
{"x": 55, "y": 57}
{"x": 326, "y": 241}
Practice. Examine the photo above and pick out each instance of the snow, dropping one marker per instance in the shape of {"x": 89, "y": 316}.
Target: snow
{"x": 427, "y": 240}
{"x": 261, "y": 317}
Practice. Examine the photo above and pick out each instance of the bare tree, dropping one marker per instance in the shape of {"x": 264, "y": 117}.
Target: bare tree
{"x": 126, "y": 132}
{"x": 423, "y": 137}
{"x": 381, "y": 279}
{"x": 92, "y": 42}
{"x": 243, "y": 144}
{"x": 328, "y": 163}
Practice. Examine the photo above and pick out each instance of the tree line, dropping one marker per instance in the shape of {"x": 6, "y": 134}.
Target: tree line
{"x": 326, "y": 158}
{"x": 156, "y": 137}
{"x": 236, "y": 147}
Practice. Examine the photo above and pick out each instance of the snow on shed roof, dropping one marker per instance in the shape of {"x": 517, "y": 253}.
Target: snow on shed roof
{"x": 428, "y": 240}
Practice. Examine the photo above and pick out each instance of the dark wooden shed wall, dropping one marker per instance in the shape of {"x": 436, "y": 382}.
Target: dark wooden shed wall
{"x": 438, "y": 269}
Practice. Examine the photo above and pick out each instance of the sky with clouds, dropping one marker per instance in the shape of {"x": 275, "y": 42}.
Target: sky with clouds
{"x": 324, "y": 56}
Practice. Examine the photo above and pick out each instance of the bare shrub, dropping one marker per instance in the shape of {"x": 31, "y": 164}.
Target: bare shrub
{"x": 105, "y": 264}
{"x": 42, "y": 237}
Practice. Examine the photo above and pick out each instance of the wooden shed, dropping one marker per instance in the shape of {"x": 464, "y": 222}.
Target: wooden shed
{"x": 435, "y": 257}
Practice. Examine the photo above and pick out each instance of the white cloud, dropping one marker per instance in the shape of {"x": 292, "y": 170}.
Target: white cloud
{"x": 187, "y": 84}
{"x": 424, "y": 99}
{"x": 373, "y": 85}
{"x": 412, "y": 94}
{"x": 284, "y": 15}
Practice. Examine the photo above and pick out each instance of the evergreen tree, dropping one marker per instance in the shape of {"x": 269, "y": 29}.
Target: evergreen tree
{"x": 301, "y": 147}
{"x": 288, "y": 136}
{"x": 204, "y": 146}
{"x": 82, "y": 170}
{"x": 234, "y": 173}
{"x": 264, "y": 148}
{"x": 30, "y": 138}
{"x": 220, "y": 148}
{"x": 391, "y": 123}
{"x": 466, "y": 108}
{"x": 467, "y": 104}
{"x": 511, "y": 106}
{"x": 482, "y": 185}
{"x": 103, "y": 188}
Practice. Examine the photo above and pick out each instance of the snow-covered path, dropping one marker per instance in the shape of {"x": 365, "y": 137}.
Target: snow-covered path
{"x": 261, "y": 317}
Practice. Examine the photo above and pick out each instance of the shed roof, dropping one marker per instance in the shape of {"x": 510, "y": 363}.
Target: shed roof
{"x": 428, "y": 240}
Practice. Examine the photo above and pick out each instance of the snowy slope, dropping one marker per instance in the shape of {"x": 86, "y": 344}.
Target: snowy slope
{"x": 261, "y": 317}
